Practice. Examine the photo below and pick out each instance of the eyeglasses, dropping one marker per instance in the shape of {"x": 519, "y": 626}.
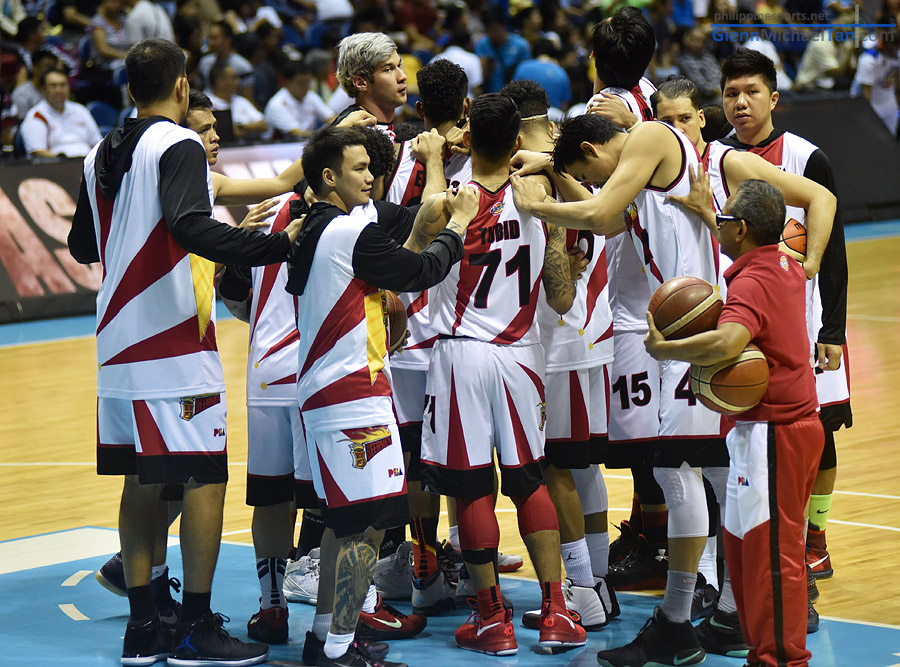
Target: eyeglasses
{"x": 722, "y": 219}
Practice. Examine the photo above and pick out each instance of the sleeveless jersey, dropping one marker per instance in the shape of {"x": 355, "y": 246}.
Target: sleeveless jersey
{"x": 274, "y": 339}
{"x": 492, "y": 294}
{"x": 344, "y": 377}
{"x": 416, "y": 353}
{"x": 156, "y": 332}
{"x": 713, "y": 160}
{"x": 407, "y": 182}
{"x": 670, "y": 240}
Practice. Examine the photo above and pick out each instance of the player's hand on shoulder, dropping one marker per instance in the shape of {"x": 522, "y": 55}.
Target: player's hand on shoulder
{"x": 529, "y": 162}
{"x": 456, "y": 140}
{"x": 613, "y": 108}
{"x": 700, "y": 198}
{"x": 527, "y": 192}
{"x": 294, "y": 227}
{"x": 428, "y": 145}
{"x": 462, "y": 204}
{"x": 259, "y": 214}
{"x": 359, "y": 118}
{"x": 654, "y": 340}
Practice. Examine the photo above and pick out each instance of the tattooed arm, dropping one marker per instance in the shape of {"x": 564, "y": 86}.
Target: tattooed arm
{"x": 355, "y": 565}
{"x": 559, "y": 283}
{"x": 430, "y": 220}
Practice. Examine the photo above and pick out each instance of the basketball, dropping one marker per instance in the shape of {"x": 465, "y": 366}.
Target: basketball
{"x": 732, "y": 386}
{"x": 793, "y": 240}
{"x": 395, "y": 313}
{"x": 685, "y": 306}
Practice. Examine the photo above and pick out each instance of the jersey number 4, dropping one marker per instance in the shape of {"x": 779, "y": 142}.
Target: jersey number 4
{"x": 640, "y": 390}
{"x": 519, "y": 264}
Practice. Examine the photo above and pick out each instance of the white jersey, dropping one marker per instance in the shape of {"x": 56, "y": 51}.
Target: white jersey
{"x": 407, "y": 182}
{"x": 670, "y": 240}
{"x": 156, "y": 331}
{"x": 492, "y": 294}
{"x": 713, "y": 159}
{"x": 274, "y": 339}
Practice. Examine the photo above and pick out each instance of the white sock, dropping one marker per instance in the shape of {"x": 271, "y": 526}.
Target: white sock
{"x": 371, "y": 600}
{"x": 321, "y": 626}
{"x": 726, "y": 598}
{"x": 158, "y": 570}
{"x": 577, "y": 560}
{"x": 708, "y": 563}
{"x": 598, "y": 548}
{"x": 337, "y": 645}
{"x": 271, "y": 581}
{"x": 453, "y": 537}
{"x": 679, "y": 595}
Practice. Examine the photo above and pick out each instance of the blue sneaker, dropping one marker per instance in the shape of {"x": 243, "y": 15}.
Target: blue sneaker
{"x": 205, "y": 642}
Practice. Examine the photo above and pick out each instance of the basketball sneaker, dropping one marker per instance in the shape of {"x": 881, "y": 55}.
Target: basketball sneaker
{"x": 387, "y": 623}
{"x": 313, "y": 646}
{"x": 393, "y": 574}
{"x": 205, "y": 642}
{"x": 269, "y": 625}
{"x": 660, "y": 642}
{"x": 433, "y": 595}
{"x": 168, "y": 608}
{"x": 812, "y": 591}
{"x": 608, "y": 597}
{"x": 705, "y": 596}
{"x": 301, "y": 579}
{"x": 146, "y": 643}
{"x": 558, "y": 629}
{"x": 583, "y": 604}
{"x": 817, "y": 556}
{"x": 624, "y": 544}
{"x": 645, "y": 568}
{"x": 466, "y": 596}
{"x": 111, "y": 575}
{"x": 721, "y": 634}
{"x": 494, "y": 636}
{"x": 356, "y": 656}
{"x": 812, "y": 619}
{"x": 508, "y": 563}
{"x": 450, "y": 561}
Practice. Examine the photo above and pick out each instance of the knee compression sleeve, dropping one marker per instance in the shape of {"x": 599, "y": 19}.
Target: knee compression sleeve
{"x": 591, "y": 489}
{"x": 536, "y": 512}
{"x": 685, "y": 499}
{"x": 478, "y": 527}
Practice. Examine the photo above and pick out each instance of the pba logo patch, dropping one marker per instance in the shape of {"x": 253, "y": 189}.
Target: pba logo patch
{"x": 218, "y": 432}
{"x": 784, "y": 262}
{"x": 743, "y": 481}
{"x": 497, "y": 208}
{"x": 395, "y": 472}
{"x": 192, "y": 406}
{"x": 366, "y": 443}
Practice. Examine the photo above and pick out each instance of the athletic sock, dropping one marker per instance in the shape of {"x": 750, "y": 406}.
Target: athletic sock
{"x": 679, "y": 595}
{"x": 424, "y": 536}
{"x": 577, "y": 561}
{"x": 337, "y": 645}
{"x": 312, "y": 526}
{"x": 655, "y": 526}
{"x": 321, "y": 625}
{"x": 598, "y": 548}
{"x": 552, "y": 591}
{"x": 271, "y": 580}
{"x": 453, "y": 537}
{"x": 393, "y": 538}
{"x": 490, "y": 602}
{"x": 195, "y": 605}
{"x": 140, "y": 602}
{"x": 371, "y": 601}
{"x": 708, "y": 567}
{"x": 819, "y": 509}
{"x": 726, "y": 601}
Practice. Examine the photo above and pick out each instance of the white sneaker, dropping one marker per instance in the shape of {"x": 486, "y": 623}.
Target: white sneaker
{"x": 301, "y": 579}
{"x": 507, "y": 563}
{"x": 584, "y": 601}
{"x": 433, "y": 595}
{"x": 393, "y": 574}
{"x": 608, "y": 597}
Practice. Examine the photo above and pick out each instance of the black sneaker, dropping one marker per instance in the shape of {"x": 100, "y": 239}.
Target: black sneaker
{"x": 355, "y": 656}
{"x": 608, "y": 597}
{"x": 313, "y": 646}
{"x": 205, "y": 642}
{"x": 169, "y": 609}
{"x": 646, "y": 568}
{"x": 721, "y": 634}
{"x": 112, "y": 576}
{"x": 705, "y": 596}
{"x": 146, "y": 643}
{"x": 812, "y": 619}
{"x": 624, "y": 544}
{"x": 660, "y": 642}
{"x": 812, "y": 591}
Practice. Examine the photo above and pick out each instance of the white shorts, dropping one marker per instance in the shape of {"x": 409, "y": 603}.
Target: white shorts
{"x": 276, "y": 454}
{"x": 568, "y": 400}
{"x": 482, "y": 397}
{"x": 633, "y": 390}
{"x": 834, "y": 386}
{"x": 598, "y": 411}
{"x": 163, "y": 440}
{"x": 408, "y": 387}
{"x": 681, "y": 416}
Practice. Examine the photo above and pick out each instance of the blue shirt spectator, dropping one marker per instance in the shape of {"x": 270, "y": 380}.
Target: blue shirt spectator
{"x": 500, "y": 50}
{"x": 544, "y": 69}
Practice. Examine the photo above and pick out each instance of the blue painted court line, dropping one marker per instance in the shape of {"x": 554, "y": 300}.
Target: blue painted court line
{"x": 37, "y": 633}
{"x": 867, "y": 231}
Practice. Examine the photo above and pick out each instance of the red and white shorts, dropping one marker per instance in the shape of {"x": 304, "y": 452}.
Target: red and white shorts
{"x": 277, "y": 459}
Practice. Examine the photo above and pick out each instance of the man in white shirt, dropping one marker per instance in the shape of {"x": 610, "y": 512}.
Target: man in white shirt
{"x": 247, "y": 120}
{"x": 295, "y": 110}
{"x": 459, "y": 51}
{"x": 57, "y": 126}
{"x": 877, "y": 75}
{"x": 220, "y": 44}
{"x": 147, "y": 19}
{"x": 27, "y": 94}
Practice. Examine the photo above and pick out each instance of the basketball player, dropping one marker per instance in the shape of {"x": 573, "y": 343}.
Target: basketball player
{"x": 485, "y": 386}
{"x": 347, "y": 247}
{"x": 144, "y": 213}
{"x": 775, "y": 447}
{"x": 644, "y": 167}
{"x": 749, "y": 96}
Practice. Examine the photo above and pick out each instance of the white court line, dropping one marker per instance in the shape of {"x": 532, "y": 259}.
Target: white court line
{"x": 236, "y": 532}
{"x": 864, "y": 525}
{"x": 873, "y": 318}
{"x": 75, "y": 578}
{"x": 867, "y": 495}
{"x": 72, "y": 612}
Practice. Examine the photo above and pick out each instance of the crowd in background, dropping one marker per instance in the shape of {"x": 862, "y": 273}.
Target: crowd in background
{"x": 272, "y": 64}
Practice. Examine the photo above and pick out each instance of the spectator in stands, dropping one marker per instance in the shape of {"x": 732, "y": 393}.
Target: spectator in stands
{"x": 110, "y": 39}
{"x": 890, "y": 12}
{"x": 699, "y": 65}
{"x": 28, "y": 93}
{"x": 76, "y": 14}
{"x": 249, "y": 14}
{"x": 147, "y": 19}
{"x": 189, "y": 36}
{"x": 55, "y": 126}
{"x": 267, "y": 59}
{"x": 500, "y": 51}
{"x": 26, "y": 37}
{"x": 246, "y": 119}
{"x": 11, "y": 14}
{"x": 824, "y": 60}
{"x": 295, "y": 111}
{"x": 418, "y": 19}
{"x": 221, "y": 47}
{"x": 459, "y": 51}
{"x": 546, "y": 70}
{"x": 877, "y": 77}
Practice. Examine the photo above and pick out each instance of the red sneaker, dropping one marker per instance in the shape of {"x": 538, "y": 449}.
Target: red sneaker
{"x": 269, "y": 625}
{"x": 496, "y": 636}
{"x": 817, "y": 554}
{"x": 559, "y": 629}
{"x": 388, "y": 623}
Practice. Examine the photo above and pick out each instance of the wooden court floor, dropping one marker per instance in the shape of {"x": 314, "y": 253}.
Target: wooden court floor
{"x": 47, "y": 436}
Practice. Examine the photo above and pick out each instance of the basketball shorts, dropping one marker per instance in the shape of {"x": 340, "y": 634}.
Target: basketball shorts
{"x": 359, "y": 477}
{"x": 408, "y": 387}
{"x": 277, "y": 460}
{"x": 576, "y": 417}
{"x": 633, "y": 386}
{"x": 481, "y": 397}
{"x": 163, "y": 440}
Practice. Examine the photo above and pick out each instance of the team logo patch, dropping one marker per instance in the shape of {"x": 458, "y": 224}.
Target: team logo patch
{"x": 743, "y": 481}
{"x": 543, "y": 407}
{"x": 784, "y": 263}
{"x": 497, "y": 208}
{"x": 631, "y": 215}
{"x": 366, "y": 443}
{"x": 192, "y": 406}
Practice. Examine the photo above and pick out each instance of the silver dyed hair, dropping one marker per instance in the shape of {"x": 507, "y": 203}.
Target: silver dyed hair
{"x": 359, "y": 55}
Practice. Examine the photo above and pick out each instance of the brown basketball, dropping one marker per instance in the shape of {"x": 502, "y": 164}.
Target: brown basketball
{"x": 732, "y": 386}
{"x": 685, "y": 306}
{"x": 396, "y": 319}
{"x": 793, "y": 240}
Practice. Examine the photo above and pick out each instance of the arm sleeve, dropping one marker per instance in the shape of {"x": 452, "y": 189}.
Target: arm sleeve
{"x": 833, "y": 273}
{"x": 82, "y": 239}
{"x": 186, "y": 209}
{"x": 743, "y": 305}
{"x": 236, "y": 283}
{"x": 380, "y": 261}
{"x": 396, "y": 221}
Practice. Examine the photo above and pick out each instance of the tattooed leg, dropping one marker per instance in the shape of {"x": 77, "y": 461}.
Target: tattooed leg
{"x": 328, "y": 551}
{"x": 355, "y": 565}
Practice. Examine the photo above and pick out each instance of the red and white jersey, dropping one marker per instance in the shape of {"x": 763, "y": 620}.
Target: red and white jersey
{"x": 407, "y": 182}
{"x": 416, "y": 352}
{"x": 713, "y": 160}
{"x": 670, "y": 240}
{"x": 637, "y": 99}
{"x": 492, "y": 294}
{"x": 274, "y": 339}
{"x": 156, "y": 331}
{"x": 344, "y": 377}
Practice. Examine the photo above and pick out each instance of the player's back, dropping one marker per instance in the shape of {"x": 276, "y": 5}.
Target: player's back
{"x": 492, "y": 294}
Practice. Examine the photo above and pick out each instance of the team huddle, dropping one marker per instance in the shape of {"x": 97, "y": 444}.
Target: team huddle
{"x": 524, "y": 256}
